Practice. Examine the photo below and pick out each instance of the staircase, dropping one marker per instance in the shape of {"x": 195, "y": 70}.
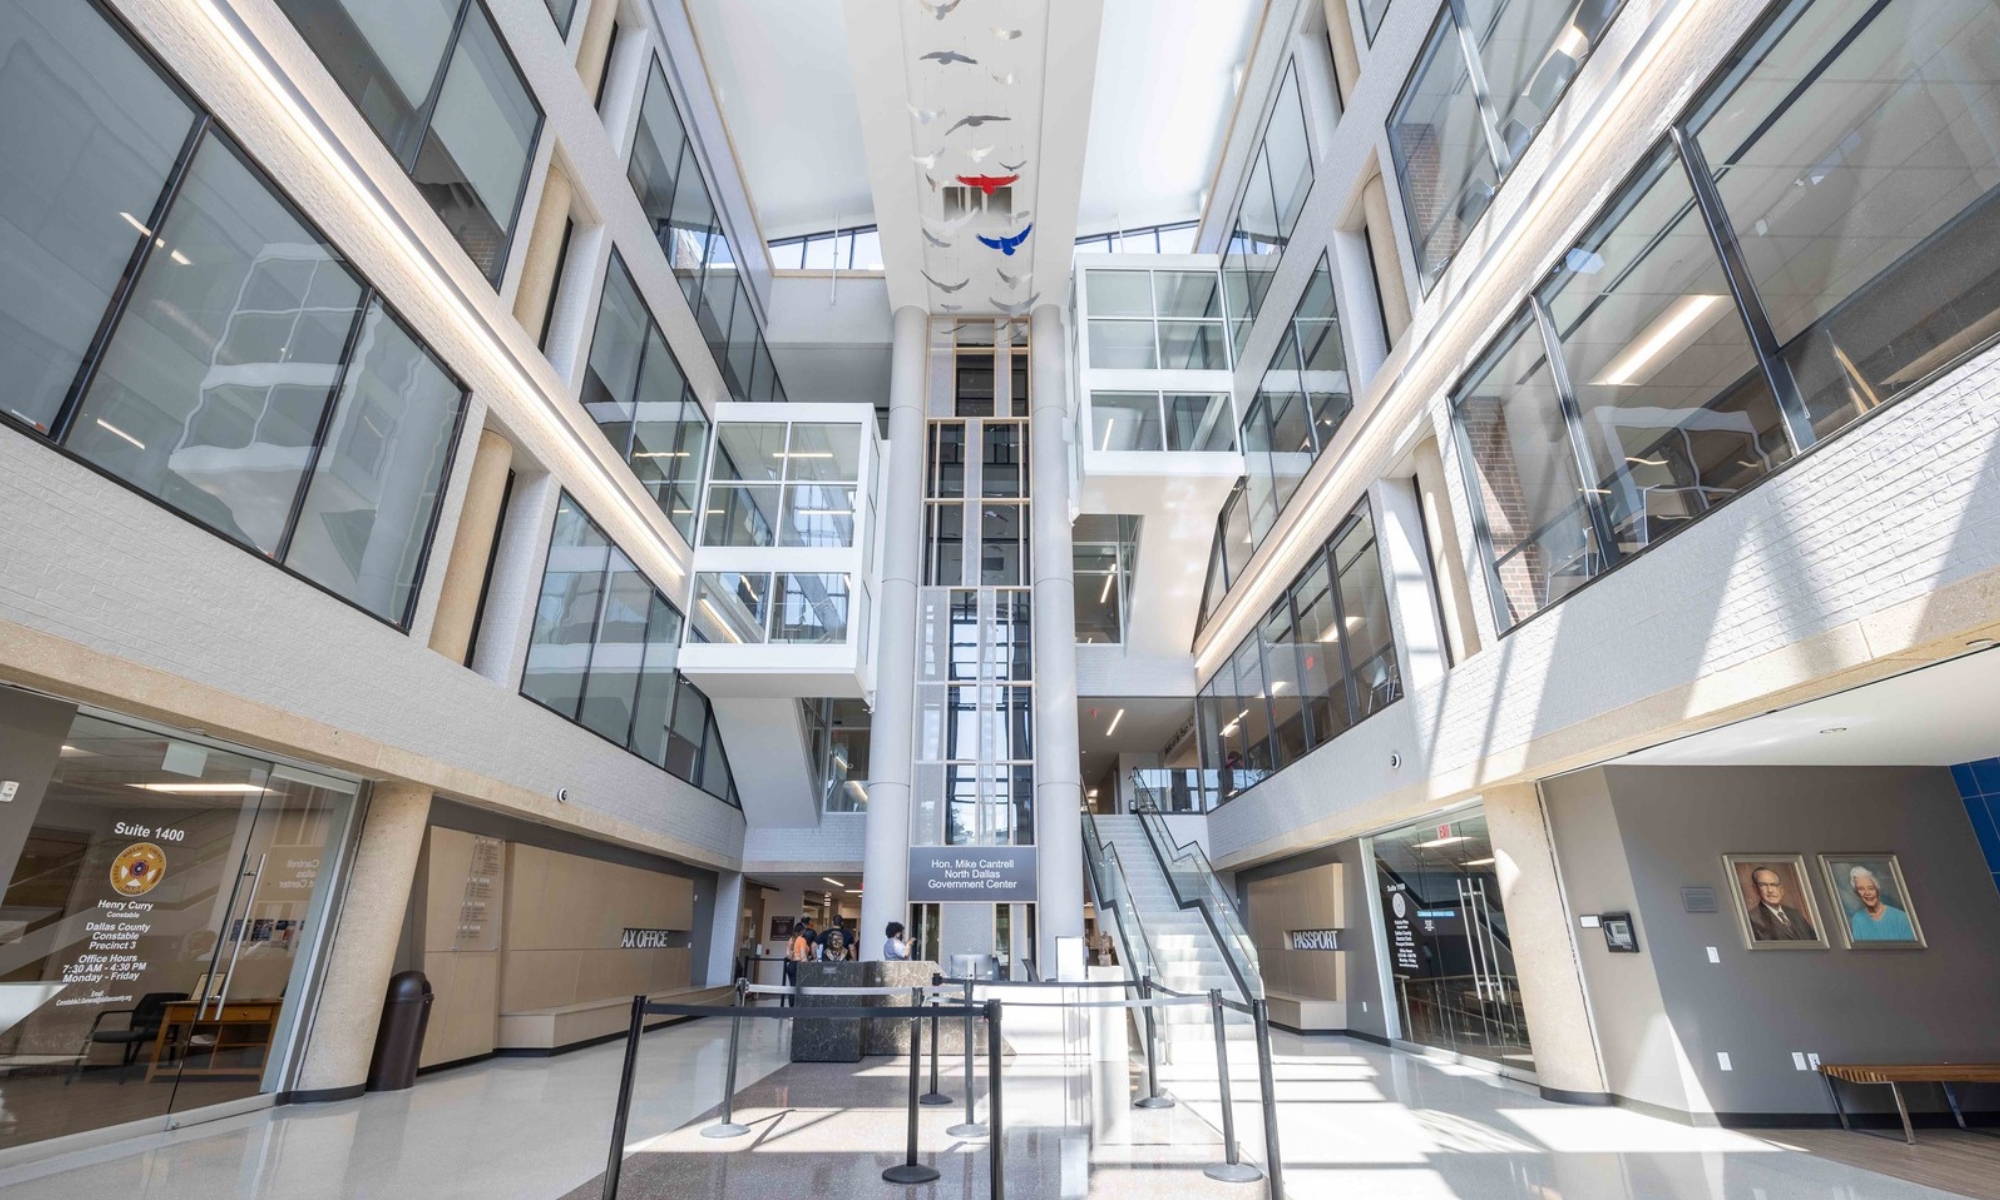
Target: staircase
{"x": 1184, "y": 952}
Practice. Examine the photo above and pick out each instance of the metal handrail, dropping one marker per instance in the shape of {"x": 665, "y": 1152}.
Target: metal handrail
{"x": 1107, "y": 885}
{"x": 1206, "y": 896}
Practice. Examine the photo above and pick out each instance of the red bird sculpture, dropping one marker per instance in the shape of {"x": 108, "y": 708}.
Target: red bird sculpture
{"x": 986, "y": 183}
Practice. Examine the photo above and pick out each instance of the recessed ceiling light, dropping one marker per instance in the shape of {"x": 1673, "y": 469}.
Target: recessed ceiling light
{"x": 1835, "y": 729}
{"x": 1983, "y": 643}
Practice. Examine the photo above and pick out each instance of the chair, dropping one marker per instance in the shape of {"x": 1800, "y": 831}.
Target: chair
{"x": 142, "y": 1026}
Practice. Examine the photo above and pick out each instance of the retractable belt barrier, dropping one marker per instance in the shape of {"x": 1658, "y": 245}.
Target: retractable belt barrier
{"x": 941, "y": 988}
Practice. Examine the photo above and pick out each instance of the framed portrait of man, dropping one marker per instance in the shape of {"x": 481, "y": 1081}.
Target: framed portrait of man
{"x": 1774, "y": 902}
{"x": 1874, "y": 902}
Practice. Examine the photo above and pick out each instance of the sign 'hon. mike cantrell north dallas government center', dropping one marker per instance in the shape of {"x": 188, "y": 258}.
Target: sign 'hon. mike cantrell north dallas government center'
{"x": 992, "y": 874}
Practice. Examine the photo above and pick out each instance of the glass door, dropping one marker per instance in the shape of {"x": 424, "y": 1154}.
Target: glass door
{"x": 154, "y": 927}
{"x": 1450, "y": 956}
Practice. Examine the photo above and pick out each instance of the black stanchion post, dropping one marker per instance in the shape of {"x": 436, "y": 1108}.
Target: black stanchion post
{"x": 1274, "y": 1168}
{"x": 934, "y": 1096}
{"x": 971, "y": 1128}
{"x": 996, "y": 1145}
{"x": 1152, "y": 1099}
{"x": 1231, "y": 1169}
{"x": 910, "y": 1170}
{"x": 624, "y": 1109}
{"x": 727, "y": 1126}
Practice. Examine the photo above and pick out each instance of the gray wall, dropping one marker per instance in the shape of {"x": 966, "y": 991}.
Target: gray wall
{"x": 1633, "y": 837}
{"x": 1364, "y": 979}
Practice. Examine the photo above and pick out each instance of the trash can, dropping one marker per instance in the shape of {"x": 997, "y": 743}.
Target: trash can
{"x": 399, "y": 1041}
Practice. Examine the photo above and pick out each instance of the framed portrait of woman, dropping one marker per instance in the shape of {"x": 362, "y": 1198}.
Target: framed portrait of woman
{"x": 1874, "y": 902}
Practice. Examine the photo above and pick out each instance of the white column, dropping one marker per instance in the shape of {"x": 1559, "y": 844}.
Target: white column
{"x": 892, "y": 732}
{"x": 1058, "y": 774}
{"x": 724, "y": 927}
{"x": 1399, "y": 533}
{"x": 1567, "y": 1065}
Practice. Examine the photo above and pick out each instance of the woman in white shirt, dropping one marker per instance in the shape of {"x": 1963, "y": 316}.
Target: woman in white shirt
{"x": 896, "y": 948}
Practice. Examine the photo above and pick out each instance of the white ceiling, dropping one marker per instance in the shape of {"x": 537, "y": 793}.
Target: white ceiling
{"x": 1936, "y": 716}
{"x": 781, "y": 75}
{"x": 1149, "y": 722}
{"x": 1167, "y": 78}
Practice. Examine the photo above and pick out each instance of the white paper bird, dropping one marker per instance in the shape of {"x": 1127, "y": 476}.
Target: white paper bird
{"x": 979, "y": 153}
{"x": 1004, "y": 80}
{"x": 946, "y": 288}
{"x": 1015, "y": 310}
{"x": 926, "y": 161}
{"x": 1006, "y": 35}
{"x": 944, "y": 227}
{"x": 924, "y": 116}
{"x": 1014, "y": 168}
{"x": 1013, "y": 280}
{"x": 940, "y": 11}
{"x": 940, "y": 243}
{"x": 948, "y": 57}
{"x": 974, "y": 122}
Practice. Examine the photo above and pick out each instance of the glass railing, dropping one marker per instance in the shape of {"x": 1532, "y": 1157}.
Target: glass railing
{"x": 1177, "y": 789}
{"x": 1196, "y": 886}
{"x": 1108, "y": 889}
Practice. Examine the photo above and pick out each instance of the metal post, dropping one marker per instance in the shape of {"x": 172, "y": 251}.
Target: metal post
{"x": 1231, "y": 1170}
{"x": 910, "y": 1170}
{"x": 1152, "y": 1099}
{"x": 727, "y": 1126}
{"x": 1274, "y": 1167}
{"x": 934, "y": 1096}
{"x": 996, "y": 1146}
{"x": 971, "y": 1128}
{"x": 624, "y": 1109}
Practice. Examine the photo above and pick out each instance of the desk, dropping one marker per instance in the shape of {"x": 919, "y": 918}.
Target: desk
{"x": 239, "y": 1025}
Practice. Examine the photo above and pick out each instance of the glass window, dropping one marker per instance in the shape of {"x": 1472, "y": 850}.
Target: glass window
{"x": 1125, "y": 421}
{"x": 867, "y": 250}
{"x": 1119, "y": 294}
{"x": 1122, "y": 345}
{"x": 1674, "y": 408}
{"x": 731, "y": 606}
{"x": 1094, "y": 575}
{"x": 211, "y": 391}
{"x": 653, "y": 704}
{"x": 753, "y": 452}
{"x": 566, "y": 616}
{"x": 1522, "y": 471}
{"x": 1003, "y": 463}
{"x": 817, "y": 515}
{"x": 474, "y": 163}
{"x": 1437, "y": 140}
{"x": 1322, "y": 675}
{"x": 1289, "y": 153}
{"x": 562, "y": 11}
{"x": 1003, "y": 545}
{"x": 741, "y": 516}
{"x": 1194, "y": 294}
{"x": 467, "y": 138}
{"x": 1372, "y": 12}
{"x": 1193, "y": 346}
{"x": 824, "y": 453}
{"x": 90, "y": 135}
{"x": 634, "y": 389}
{"x": 1289, "y": 734}
{"x": 374, "y": 490}
{"x": 618, "y": 651}
{"x": 687, "y": 731}
{"x": 1200, "y": 421}
{"x": 810, "y": 608}
{"x": 1856, "y": 147}
{"x": 1367, "y": 639}
{"x": 1530, "y": 51}
{"x": 1177, "y": 239}
{"x": 944, "y": 536}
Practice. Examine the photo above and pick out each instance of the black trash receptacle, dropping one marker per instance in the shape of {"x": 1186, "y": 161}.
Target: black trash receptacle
{"x": 399, "y": 1041}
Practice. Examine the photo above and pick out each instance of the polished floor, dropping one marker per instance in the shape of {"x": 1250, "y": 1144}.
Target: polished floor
{"x": 1357, "y": 1122}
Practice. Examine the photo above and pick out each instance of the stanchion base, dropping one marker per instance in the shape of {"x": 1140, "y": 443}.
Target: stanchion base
{"x": 1233, "y": 1172}
{"x": 910, "y": 1173}
{"x": 722, "y": 1130}
{"x": 1154, "y": 1102}
{"x": 974, "y": 1130}
{"x": 935, "y": 1098}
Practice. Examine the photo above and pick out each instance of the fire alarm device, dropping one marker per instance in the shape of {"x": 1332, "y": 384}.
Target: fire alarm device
{"x": 1619, "y": 936}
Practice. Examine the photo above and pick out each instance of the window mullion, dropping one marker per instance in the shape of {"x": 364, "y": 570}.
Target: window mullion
{"x": 348, "y": 350}
{"x": 421, "y": 131}
{"x": 1587, "y": 474}
{"x": 1482, "y": 95}
{"x": 1743, "y": 288}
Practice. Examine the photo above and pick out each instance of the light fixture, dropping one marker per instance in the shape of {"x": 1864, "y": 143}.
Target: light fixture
{"x": 1332, "y": 634}
{"x": 719, "y": 622}
{"x": 114, "y": 431}
{"x": 1573, "y": 42}
{"x": 1434, "y": 843}
{"x": 1835, "y": 729}
{"x": 134, "y": 223}
{"x": 1109, "y": 422}
{"x": 1982, "y": 643}
{"x": 180, "y": 258}
{"x": 1105, "y": 595}
{"x": 1113, "y": 727}
{"x": 205, "y": 789}
{"x": 1645, "y": 462}
{"x": 1678, "y": 324}
{"x": 1478, "y": 862}
{"x": 659, "y": 454}
{"x": 1092, "y": 793}
{"x": 835, "y": 882}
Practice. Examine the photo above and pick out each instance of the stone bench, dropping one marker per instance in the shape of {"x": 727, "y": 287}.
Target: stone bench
{"x": 568, "y": 1026}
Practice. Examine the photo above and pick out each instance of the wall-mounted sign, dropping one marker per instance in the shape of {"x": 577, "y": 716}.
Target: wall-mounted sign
{"x": 1004, "y": 874}
{"x": 1400, "y": 913}
{"x": 646, "y": 939}
{"x": 1313, "y": 939}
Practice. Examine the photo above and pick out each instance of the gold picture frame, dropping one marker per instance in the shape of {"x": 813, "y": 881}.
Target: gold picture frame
{"x": 1776, "y": 913}
{"x": 1894, "y": 926}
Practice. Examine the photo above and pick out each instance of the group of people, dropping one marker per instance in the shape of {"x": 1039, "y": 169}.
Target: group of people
{"x": 837, "y": 944}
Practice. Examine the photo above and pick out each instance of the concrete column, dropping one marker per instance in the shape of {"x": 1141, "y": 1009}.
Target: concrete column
{"x": 1559, "y": 1025}
{"x": 1413, "y": 608}
{"x": 364, "y": 943}
{"x": 885, "y": 863}
{"x": 1447, "y": 553}
{"x": 1058, "y": 771}
{"x": 725, "y": 929}
{"x": 471, "y": 546}
{"x": 594, "y": 52}
{"x": 1340, "y": 39}
{"x": 1389, "y": 283}
{"x": 538, "y": 268}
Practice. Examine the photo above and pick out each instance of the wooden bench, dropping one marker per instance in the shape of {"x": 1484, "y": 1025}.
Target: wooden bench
{"x": 568, "y": 1025}
{"x": 1894, "y": 1075}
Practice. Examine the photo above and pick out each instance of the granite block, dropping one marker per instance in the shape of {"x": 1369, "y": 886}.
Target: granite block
{"x": 826, "y": 1040}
